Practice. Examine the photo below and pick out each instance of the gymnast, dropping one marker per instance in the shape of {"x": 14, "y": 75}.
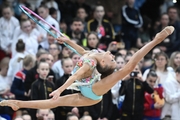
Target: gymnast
{"x": 86, "y": 77}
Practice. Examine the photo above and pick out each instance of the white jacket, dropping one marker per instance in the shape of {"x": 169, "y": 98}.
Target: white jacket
{"x": 6, "y": 31}
{"x": 172, "y": 97}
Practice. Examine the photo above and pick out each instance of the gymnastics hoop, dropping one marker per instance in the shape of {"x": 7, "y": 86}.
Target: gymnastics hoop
{"x": 27, "y": 11}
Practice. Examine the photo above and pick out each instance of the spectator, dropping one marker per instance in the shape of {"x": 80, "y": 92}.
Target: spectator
{"x": 26, "y": 116}
{"x": 5, "y": 85}
{"x": 131, "y": 21}
{"x": 43, "y": 11}
{"x": 86, "y": 117}
{"x": 53, "y": 13}
{"x": 81, "y": 13}
{"x": 5, "y": 81}
{"x": 72, "y": 117}
{"x": 102, "y": 26}
{"x": 92, "y": 41}
{"x": 41, "y": 88}
{"x": 18, "y": 118}
{"x": 175, "y": 60}
{"x": 55, "y": 50}
{"x": 174, "y": 21}
{"x": 50, "y": 60}
{"x": 134, "y": 87}
{"x": 15, "y": 63}
{"x": 161, "y": 67}
{"x": 144, "y": 32}
{"x": 16, "y": 4}
{"x": 29, "y": 38}
{"x": 115, "y": 89}
{"x": 31, "y": 74}
{"x": 51, "y": 115}
{"x": 49, "y": 40}
{"x": 43, "y": 113}
{"x": 152, "y": 107}
{"x": 76, "y": 31}
{"x": 63, "y": 27}
{"x": 172, "y": 97}
{"x": 8, "y": 24}
{"x": 75, "y": 58}
{"x": 53, "y": 4}
{"x": 18, "y": 88}
{"x": 166, "y": 44}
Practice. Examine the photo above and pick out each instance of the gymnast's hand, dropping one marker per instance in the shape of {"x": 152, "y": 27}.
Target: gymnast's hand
{"x": 55, "y": 94}
{"x": 62, "y": 39}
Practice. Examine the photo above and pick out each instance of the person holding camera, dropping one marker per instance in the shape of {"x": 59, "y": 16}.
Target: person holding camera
{"x": 134, "y": 87}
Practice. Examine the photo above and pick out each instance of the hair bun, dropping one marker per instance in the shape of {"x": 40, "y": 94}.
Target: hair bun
{"x": 20, "y": 41}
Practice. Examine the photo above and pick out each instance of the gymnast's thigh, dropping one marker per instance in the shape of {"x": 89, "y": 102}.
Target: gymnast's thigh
{"x": 76, "y": 99}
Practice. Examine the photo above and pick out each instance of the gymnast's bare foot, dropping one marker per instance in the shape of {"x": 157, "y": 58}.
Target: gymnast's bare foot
{"x": 9, "y": 103}
{"x": 164, "y": 33}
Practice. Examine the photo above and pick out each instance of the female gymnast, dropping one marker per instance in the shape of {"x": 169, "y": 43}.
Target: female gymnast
{"x": 91, "y": 89}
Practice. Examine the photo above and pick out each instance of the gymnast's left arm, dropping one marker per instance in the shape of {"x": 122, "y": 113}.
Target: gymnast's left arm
{"x": 78, "y": 75}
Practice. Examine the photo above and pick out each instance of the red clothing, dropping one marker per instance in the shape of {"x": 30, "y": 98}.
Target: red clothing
{"x": 149, "y": 102}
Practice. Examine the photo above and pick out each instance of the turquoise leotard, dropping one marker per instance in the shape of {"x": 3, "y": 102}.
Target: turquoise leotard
{"x": 85, "y": 85}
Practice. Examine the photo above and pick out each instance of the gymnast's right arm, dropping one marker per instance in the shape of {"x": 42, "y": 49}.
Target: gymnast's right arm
{"x": 78, "y": 75}
{"x": 65, "y": 39}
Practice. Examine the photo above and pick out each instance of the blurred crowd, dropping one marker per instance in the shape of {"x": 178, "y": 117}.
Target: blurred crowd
{"x": 150, "y": 92}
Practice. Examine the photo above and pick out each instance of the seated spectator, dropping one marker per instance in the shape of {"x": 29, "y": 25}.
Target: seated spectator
{"x": 102, "y": 26}
{"x": 53, "y": 13}
{"x": 18, "y": 88}
{"x": 29, "y": 38}
{"x": 161, "y": 67}
{"x": 52, "y": 4}
{"x": 26, "y": 116}
{"x": 41, "y": 88}
{"x": 152, "y": 106}
{"x": 134, "y": 87}
{"x": 86, "y": 117}
{"x": 8, "y": 25}
{"x": 72, "y": 117}
{"x": 81, "y": 13}
{"x": 18, "y": 118}
{"x": 170, "y": 111}
{"x": 75, "y": 58}
{"x": 175, "y": 60}
{"x": 5, "y": 81}
{"x": 42, "y": 113}
{"x": 15, "y": 63}
{"x": 5, "y": 85}
{"x": 48, "y": 41}
{"x": 18, "y": 11}
{"x": 76, "y": 31}
{"x": 43, "y": 11}
{"x": 31, "y": 74}
{"x": 92, "y": 41}
{"x": 51, "y": 115}
{"x": 131, "y": 21}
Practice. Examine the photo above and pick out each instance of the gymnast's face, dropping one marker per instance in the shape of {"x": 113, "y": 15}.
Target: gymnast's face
{"x": 109, "y": 60}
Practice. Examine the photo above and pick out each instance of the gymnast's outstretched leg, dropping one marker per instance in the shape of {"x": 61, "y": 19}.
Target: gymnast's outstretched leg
{"x": 104, "y": 85}
{"x": 76, "y": 100}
